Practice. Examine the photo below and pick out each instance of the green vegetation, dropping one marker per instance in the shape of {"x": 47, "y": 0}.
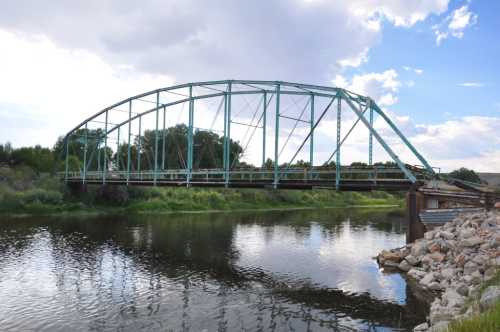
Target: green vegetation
{"x": 487, "y": 321}
{"x": 466, "y": 175}
{"x": 24, "y": 191}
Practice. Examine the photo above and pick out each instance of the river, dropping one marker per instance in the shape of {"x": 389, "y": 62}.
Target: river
{"x": 300, "y": 270}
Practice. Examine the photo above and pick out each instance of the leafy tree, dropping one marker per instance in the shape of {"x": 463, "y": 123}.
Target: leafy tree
{"x": 466, "y": 175}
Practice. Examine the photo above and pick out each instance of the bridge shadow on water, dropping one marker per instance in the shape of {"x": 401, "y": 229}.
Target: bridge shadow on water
{"x": 288, "y": 270}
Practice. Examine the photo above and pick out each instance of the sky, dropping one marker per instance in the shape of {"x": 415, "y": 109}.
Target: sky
{"x": 432, "y": 65}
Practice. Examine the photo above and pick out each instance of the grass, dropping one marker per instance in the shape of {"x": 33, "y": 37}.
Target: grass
{"x": 488, "y": 321}
{"x": 483, "y": 322}
{"x": 24, "y": 192}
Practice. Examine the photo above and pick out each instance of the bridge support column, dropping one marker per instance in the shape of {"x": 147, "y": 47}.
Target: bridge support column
{"x": 415, "y": 201}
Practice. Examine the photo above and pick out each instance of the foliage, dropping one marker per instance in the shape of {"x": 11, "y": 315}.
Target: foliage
{"x": 466, "y": 175}
{"x": 488, "y": 321}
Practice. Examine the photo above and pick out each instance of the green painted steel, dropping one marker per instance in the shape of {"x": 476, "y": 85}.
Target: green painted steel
{"x": 370, "y": 137}
{"x": 394, "y": 157}
{"x": 105, "y": 162}
{"x": 311, "y": 142}
{"x": 155, "y": 176}
{"x": 337, "y": 163}
{"x": 139, "y": 150}
{"x": 276, "y": 136}
{"x": 264, "y": 124}
{"x": 228, "y": 134}
{"x": 404, "y": 139}
{"x": 66, "y": 166}
{"x": 283, "y": 91}
{"x": 118, "y": 150}
{"x": 163, "y": 151}
{"x": 85, "y": 148}
{"x": 129, "y": 157}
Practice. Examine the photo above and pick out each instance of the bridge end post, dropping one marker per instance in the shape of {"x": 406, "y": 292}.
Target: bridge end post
{"x": 414, "y": 203}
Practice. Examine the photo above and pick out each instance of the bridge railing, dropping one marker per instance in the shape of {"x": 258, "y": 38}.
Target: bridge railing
{"x": 239, "y": 175}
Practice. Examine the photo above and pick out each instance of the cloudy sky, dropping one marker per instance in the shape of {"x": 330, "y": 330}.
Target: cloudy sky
{"x": 433, "y": 65}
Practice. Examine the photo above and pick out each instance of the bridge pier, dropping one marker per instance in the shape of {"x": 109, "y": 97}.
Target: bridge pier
{"x": 415, "y": 201}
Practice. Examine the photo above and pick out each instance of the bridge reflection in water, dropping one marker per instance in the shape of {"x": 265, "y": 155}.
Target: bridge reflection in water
{"x": 304, "y": 270}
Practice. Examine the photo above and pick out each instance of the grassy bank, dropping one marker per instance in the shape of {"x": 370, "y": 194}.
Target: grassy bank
{"x": 22, "y": 191}
{"x": 485, "y": 321}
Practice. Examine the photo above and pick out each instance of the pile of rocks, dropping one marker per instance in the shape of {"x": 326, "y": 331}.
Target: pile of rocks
{"x": 452, "y": 261}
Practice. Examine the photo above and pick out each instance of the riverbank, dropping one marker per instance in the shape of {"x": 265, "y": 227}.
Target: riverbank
{"x": 459, "y": 263}
{"x": 24, "y": 192}
{"x": 122, "y": 200}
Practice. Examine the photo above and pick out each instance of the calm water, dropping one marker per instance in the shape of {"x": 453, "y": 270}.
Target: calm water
{"x": 272, "y": 271}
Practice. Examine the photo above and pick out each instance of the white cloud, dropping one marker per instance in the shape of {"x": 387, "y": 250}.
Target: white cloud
{"x": 381, "y": 87}
{"x": 356, "y": 60}
{"x": 455, "y": 24}
{"x": 472, "y": 84}
{"x": 45, "y": 90}
{"x": 417, "y": 71}
{"x": 400, "y": 13}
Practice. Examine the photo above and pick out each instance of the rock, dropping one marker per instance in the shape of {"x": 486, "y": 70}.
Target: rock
{"x": 416, "y": 273}
{"x": 435, "y": 286}
{"x": 427, "y": 279}
{"x": 480, "y": 259}
{"x": 472, "y": 241}
{"x": 429, "y": 235}
{"x": 441, "y": 326}
{"x": 490, "y": 296}
{"x": 448, "y": 273}
{"x": 489, "y": 273}
{"x": 451, "y": 298}
{"x": 462, "y": 289}
{"x": 411, "y": 260}
{"x": 391, "y": 264}
{"x": 421, "y": 327}
{"x": 495, "y": 241}
{"x": 460, "y": 260}
{"x": 497, "y": 205}
{"x": 386, "y": 255}
{"x": 434, "y": 247}
{"x": 404, "y": 266}
{"x": 466, "y": 233}
{"x": 437, "y": 256}
{"x": 447, "y": 235}
{"x": 470, "y": 267}
{"x": 419, "y": 248}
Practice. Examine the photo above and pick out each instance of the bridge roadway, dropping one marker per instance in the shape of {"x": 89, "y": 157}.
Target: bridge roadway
{"x": 353, "y": 179}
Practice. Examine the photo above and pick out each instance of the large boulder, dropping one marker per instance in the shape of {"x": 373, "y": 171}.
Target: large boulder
{"x": 490, "y": 296}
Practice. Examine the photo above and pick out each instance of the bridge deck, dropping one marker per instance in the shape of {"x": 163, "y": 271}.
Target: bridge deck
{"x": 354, "y": 180}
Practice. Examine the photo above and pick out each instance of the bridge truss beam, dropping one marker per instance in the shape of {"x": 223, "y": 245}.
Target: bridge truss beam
{"x": 95, "y": 130}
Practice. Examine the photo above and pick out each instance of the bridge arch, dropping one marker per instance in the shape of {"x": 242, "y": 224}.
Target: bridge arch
{"x": 142, "y": 120}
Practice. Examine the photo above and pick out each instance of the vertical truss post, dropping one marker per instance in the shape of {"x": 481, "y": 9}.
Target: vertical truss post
{"x": 276, "y": 136}
{"x": 85, "y": 148}
{"x": 403, "y": 138}
{"x": 139, "y": 152}
{"x": 190, "y": 136}
{"x": 163, "y": 141}
{"x": 66, "y": 166}
{"x": 311, "y": 142}
{"x": 128, "y": 140}
{"x": 224, "y": 152}
{"x": 337, "y": 162}
{"x": 98, "y": 154}
{"x": 264, "y": 123}
{"x": 386, "y": 147}
{"x": 370, "y": 138}
{"x": 105, "y": 163}
{"x": 155, "y": 171}
{"x": 228, "y": 136}
{"x": 118, "y": 150}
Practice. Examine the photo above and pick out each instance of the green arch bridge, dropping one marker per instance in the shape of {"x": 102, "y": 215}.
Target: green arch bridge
{"x": 133, "y": 142}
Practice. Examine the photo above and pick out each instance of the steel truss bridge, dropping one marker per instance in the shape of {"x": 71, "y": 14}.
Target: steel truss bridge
{"x": 128, "y": 143}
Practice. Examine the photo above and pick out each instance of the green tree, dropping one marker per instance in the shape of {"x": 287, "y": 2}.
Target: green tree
{"x": 466, "y": 175}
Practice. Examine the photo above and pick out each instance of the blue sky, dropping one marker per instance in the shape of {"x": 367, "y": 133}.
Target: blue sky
{"x": 432, "y": 65}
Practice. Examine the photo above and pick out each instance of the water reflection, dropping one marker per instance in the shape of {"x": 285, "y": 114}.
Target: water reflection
{"x": 295, "y": 270}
